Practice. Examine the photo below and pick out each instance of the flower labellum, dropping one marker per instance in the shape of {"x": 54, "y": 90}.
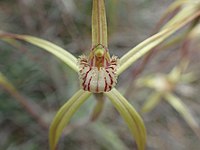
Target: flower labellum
{"x": 97, "y": 73}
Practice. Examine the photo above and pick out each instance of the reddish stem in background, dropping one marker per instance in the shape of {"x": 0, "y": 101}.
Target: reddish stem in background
{"x": 27, "y": 106}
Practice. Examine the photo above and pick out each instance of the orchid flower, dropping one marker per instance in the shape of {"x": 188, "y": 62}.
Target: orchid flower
{"x": 164, "y": 86}
{"x": 98, "y": 72}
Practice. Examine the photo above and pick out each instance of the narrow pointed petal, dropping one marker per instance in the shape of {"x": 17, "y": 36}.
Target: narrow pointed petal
{"x": 57, "y": 51}
{"x": 99, "y": 24}
{"x": 184, "y": 111}
{"x": 188, "y": 78}
{"x": 144, "y": 47}
{"x": 131, "y": 117}
{"x": 177, "y": 71}
{"x": 151, "y": 102}
{"x": 189, "y": 7}
{"x": 64, "y": 115}
{"x": 195, "y": 33}
{"x": 173, "y": 6}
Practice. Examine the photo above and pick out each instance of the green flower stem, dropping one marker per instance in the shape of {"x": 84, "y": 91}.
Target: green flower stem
{"x": 99, "y": 24}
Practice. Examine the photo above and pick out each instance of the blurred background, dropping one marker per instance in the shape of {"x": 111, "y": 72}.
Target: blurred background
{"x": 43, "y": 83}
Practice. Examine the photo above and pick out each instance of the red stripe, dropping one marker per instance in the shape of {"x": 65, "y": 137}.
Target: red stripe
{"x": 111, "y": 81}
{"x": 97, "y": 89}
{"x": 111, "y": 67}
{"x": 106, "y": 84}
{"x": 84, "y": 87}
{"x": 85, "y": 77}
{"x": 89, "y": 83}
{"x": 84, "y": 63}
{"x": 83, "y": 60}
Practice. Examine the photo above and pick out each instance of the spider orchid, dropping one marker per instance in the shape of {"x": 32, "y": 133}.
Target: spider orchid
{"x": 165, "y": 86}
{"x": 98, "y": 72}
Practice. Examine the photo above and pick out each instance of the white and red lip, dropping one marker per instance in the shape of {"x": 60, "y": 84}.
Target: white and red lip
{"x": 95, "y": 79}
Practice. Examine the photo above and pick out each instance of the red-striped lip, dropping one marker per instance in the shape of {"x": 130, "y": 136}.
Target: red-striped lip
{"x": 96, "y": 79}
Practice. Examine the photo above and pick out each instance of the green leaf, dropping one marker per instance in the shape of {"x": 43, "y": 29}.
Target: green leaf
{"x": 147, "y": 45}
{"x": 183, "y": 110}
{"x": 64, "y": 115}
{"x": 151, "y": 102}
{"x": 131, "y": 117}
{"x": 57, "y": 51}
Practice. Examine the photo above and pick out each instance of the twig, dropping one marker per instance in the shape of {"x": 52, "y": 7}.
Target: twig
{"x": 27, "y": 105}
